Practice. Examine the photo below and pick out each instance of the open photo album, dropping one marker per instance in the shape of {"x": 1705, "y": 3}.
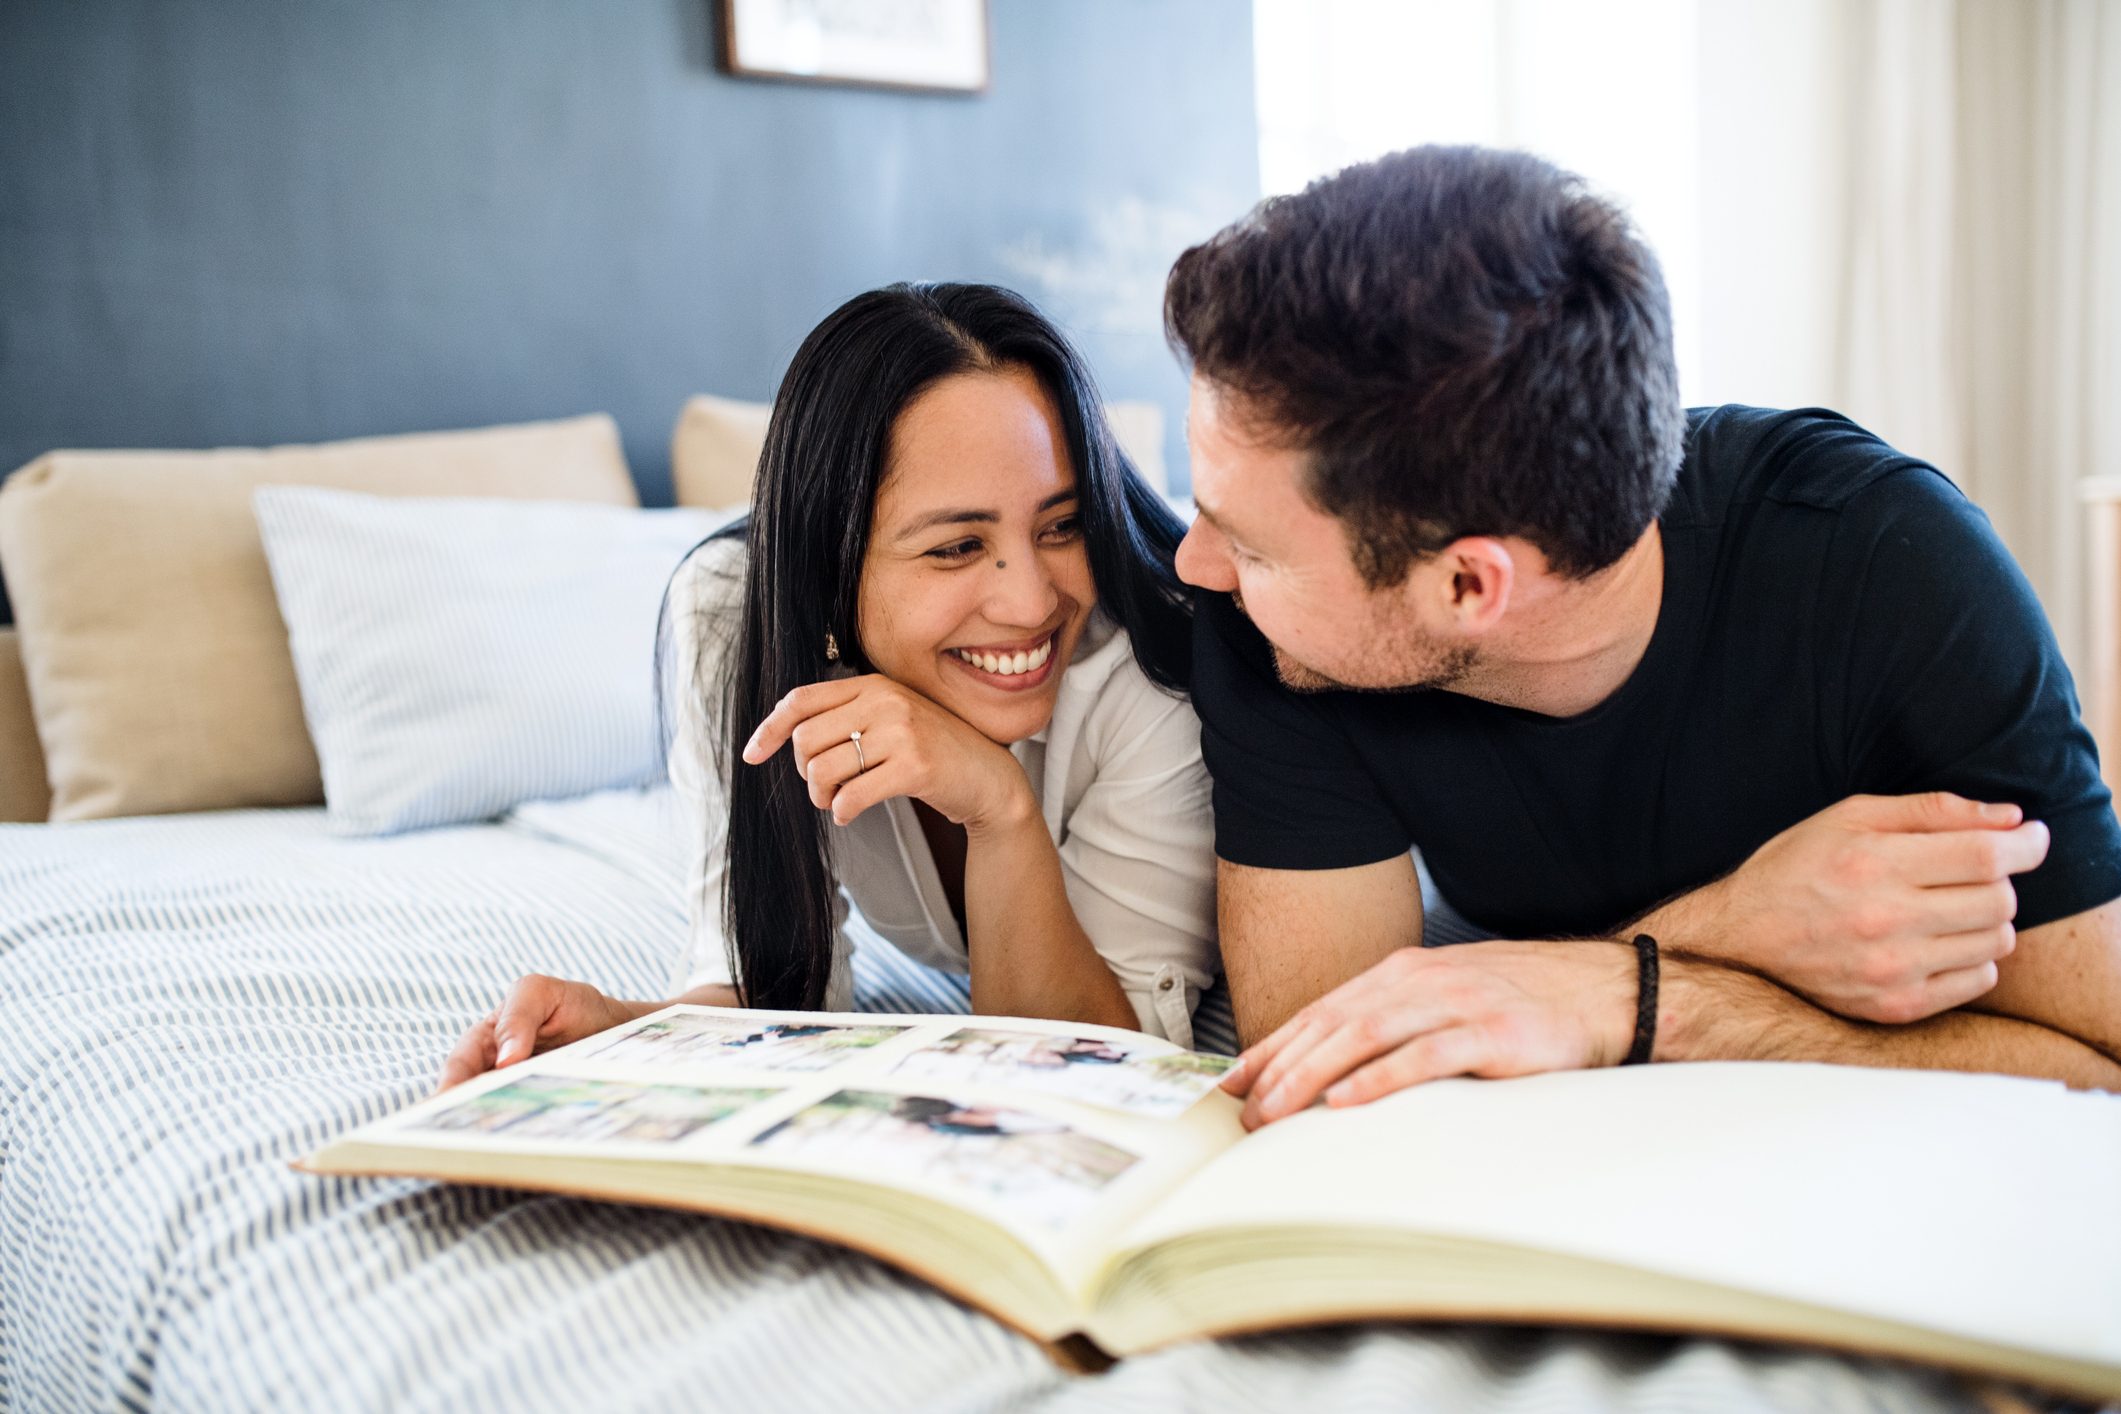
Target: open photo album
{"x": 1093, "y": 1187}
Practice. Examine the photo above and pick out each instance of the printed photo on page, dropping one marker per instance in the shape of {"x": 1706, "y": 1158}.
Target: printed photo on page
{"x": 1091, "y": 1070}
{"x": 584, "y": 1111}
{"x": 738, "y": 1043}
{"x": 1038, "y": 1170}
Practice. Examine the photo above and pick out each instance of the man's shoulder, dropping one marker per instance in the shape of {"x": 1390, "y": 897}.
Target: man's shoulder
{"x": 1740, "y": 459}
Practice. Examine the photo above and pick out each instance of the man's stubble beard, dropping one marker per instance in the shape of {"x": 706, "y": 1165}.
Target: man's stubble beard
{"x": 1452, "y": 667}
{"x": 1433, "y": 668}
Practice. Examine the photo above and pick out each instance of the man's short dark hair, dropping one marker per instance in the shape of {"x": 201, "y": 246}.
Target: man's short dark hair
{"x": 1464, "y": 341}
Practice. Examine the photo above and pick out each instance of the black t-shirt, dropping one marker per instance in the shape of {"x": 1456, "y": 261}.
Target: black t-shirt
{"x": 1837, "y": 620}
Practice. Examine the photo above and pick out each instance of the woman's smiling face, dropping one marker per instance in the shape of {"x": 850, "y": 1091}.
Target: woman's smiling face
{"x": 977, "y": 587}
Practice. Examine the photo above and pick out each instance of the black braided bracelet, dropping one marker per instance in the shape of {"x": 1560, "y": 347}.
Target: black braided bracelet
{"x": 1645, "y": 1000}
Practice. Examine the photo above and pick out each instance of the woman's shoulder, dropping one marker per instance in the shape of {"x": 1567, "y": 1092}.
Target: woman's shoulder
{"x": 703, "y": 608}
{"x": 711, "y": 577}
{"x": 1109, "y": 705}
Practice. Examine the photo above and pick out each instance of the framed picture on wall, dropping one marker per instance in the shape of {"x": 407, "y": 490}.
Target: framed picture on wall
{"x": 933, "y": 46}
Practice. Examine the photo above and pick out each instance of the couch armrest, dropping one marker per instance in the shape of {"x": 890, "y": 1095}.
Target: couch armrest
{"x": 24, "y": 795}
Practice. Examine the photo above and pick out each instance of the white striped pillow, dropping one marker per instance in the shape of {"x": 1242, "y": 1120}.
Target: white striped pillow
{"x": 459, "y": 657}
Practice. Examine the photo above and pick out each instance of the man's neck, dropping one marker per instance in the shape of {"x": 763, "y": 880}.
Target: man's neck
{"x": 1579, "y": 640}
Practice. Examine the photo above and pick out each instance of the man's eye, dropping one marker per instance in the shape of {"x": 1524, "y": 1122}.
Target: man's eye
{"x": 952, "y": 554}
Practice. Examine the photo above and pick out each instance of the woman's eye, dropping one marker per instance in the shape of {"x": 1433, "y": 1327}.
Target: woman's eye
{"x": 1067, "y": 528}
{"x": 952, "y": 554}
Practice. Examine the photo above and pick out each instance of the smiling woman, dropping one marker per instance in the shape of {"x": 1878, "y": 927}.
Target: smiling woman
{"x": 935, "y": 677}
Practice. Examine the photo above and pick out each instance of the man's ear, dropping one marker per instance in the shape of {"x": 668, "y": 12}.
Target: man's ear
{"x": 1478, "y": 576}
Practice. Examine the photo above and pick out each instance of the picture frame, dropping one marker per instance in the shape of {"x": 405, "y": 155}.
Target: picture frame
{"x": 915, "y": 46}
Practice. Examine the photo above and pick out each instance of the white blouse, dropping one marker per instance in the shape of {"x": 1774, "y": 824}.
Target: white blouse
{"x": 1117, "y": 773}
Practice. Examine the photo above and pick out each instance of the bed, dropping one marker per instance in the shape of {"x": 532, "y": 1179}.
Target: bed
{"x": 195, "y": 990}
{"x": 190, "y": 1002}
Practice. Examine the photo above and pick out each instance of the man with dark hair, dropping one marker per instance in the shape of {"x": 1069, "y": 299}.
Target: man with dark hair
{"x": 1745, "y": 721}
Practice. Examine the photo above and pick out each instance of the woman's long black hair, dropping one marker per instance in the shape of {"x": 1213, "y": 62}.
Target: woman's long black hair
{"x": 808, "y": 535}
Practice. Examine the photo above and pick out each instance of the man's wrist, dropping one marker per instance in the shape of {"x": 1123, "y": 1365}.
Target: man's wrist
{"x": 1709, "y": 1009}
{"x": 1696, "y": 923}
{"x": 1642, "y": 1041}
{"x": 1617, "y": 1035}
{"x": 1693, "y": 989}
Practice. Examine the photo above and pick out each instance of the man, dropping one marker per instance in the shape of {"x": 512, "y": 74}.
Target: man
{"x": 1749, "y": 683}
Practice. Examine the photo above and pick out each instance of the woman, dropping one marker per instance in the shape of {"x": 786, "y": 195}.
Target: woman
{"x": 935, "y": 674}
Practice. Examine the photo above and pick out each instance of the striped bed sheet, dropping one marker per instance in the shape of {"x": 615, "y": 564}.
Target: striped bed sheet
{"x": 187, "y": 1003}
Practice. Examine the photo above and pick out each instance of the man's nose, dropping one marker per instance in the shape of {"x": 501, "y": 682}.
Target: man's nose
{"x": 1203, "y": 561}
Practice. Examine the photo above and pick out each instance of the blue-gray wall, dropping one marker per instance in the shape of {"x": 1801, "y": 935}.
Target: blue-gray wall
{"x": 253, "y": 221}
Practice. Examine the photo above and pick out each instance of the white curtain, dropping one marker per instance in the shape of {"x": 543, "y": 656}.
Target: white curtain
{"x": 1981, "y": 324}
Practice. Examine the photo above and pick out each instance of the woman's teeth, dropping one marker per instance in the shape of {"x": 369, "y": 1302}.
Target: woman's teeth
{"x": 1007, "y": 665}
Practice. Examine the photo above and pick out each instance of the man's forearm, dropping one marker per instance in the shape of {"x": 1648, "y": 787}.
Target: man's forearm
{"x": 1707, "y": 1011}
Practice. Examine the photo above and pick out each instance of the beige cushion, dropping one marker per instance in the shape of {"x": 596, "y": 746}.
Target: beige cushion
{"x": 23, "y": 792}
{"x": 714, "y": 453}
{"x": 156, "y": 659}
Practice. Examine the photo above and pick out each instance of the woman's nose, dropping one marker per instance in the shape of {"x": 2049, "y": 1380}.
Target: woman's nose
{"x": 1021, "y": 590}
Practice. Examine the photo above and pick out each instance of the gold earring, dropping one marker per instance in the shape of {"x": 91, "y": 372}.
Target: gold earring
{"x": 832, "y": 649}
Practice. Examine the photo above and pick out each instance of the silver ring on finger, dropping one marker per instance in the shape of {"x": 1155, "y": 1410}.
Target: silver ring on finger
{"x": 861, "y": 760}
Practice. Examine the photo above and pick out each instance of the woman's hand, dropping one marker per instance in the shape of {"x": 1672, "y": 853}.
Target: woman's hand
{"x": 909, "y": 747}
{"x": 538, "y": 1014}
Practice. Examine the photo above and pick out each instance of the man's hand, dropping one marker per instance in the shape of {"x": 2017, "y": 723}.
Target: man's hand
{"x": 1881, "y": 908}
{"x": 1486, "y": 1009}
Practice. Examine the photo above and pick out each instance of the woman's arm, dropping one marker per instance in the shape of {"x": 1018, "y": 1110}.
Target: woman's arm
{"x": 1029, "y": 954}
{"x": 710, "y": 994}
{"x": 1137, "y": 848}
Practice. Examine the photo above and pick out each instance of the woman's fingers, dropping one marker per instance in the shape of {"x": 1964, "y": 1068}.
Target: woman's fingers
{"x": 829, "y": 770}
{"x": 474, "y": 1055}
{"x": 828, "y": 731}
{"x": 794, "y": 709}
{"x": 523, "y": 1016}
{"x": 870, "y": 787}
{"x": 864, "y": 789}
